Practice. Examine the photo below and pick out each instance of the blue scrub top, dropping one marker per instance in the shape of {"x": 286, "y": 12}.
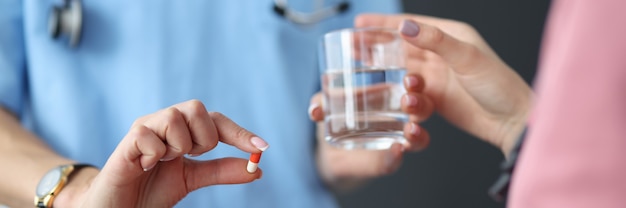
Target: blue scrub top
{"x": 237, "y": 57}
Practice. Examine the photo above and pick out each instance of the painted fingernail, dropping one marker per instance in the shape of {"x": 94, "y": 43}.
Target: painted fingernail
{"x": 415, "y": 130}
{"x": 410, "y": 82}
{"x": 409, "y": 100}
{"x": 409, "y": 28}
{"x": 313, "y": 108}
{"x": 259, "y": 143}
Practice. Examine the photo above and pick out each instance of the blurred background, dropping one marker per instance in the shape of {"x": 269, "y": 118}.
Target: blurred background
{"x": 457, "y": 169}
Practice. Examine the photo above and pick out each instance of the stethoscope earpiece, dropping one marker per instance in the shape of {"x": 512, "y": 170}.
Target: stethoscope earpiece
{"x": 66, "y": 20}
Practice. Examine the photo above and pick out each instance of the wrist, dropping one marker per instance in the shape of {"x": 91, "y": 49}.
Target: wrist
{"x": 511, "y": 138}
{"x": 76, "y": 187}
{"x": 514, "y": 129}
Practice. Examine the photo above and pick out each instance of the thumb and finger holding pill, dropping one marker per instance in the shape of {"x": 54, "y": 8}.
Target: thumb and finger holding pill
{"x": 255, "y": 158}
{"x": 187, "y": 128}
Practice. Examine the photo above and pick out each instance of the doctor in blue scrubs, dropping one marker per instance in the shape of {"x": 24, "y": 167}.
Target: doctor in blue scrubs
{"x": 138, "y": 98}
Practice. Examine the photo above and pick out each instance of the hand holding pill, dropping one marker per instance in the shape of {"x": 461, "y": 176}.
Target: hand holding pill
{"x": 149, "y": 167}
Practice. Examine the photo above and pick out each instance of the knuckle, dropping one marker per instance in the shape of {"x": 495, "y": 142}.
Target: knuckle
{"x": 471, "y": 55}
{"x": 140, "y": 120}
{"x": 435, "y": 36}
{"x": 172, "y": 115}
{"x": 197, "y": 107}
{"x": 217, "y": 115}
{"x": 242, "y": 133}
{"x": 139, "y": 131}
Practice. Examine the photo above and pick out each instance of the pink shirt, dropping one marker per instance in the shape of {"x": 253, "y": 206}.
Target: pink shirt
{"x": 575, "y": 152}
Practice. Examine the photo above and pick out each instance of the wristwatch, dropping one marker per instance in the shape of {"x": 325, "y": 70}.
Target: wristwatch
{"x": 53, "y": 182}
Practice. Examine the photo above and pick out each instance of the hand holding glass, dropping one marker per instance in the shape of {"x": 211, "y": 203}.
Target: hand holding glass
{"x": 362, "y": 71}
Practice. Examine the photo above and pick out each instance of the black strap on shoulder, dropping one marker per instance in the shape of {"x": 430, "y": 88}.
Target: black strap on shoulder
{"x": 500, "y": 189}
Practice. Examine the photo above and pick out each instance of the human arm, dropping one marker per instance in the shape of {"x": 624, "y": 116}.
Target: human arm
{"x": 185, "y": 128}
{"x": 26, "y": 159}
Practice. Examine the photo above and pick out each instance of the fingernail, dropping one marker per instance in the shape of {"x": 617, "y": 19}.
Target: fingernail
{"x": 259, "y": 143}
{"x": 409, "y": 100}
{"x": 410, "y": 81}
{"x": 165, "y": 159}
{"x": 193, "y": 155}
{"x": 146, "y": 169}
{"x": 409, "y": 28}
{"x": 414, "y": 129}
{"x": 313, "y": 107}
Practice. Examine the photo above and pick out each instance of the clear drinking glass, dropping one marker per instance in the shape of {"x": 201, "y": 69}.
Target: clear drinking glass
{"x": 362, "y": 71}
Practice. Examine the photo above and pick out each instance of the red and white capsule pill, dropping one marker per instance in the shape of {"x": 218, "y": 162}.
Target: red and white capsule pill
{"x": 253, "y": 163}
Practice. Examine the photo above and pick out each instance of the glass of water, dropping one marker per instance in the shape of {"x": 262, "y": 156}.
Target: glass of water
{"x": 362, "y": 71}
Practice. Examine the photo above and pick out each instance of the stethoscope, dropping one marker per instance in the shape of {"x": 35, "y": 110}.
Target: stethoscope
{"x": 67, "y": 19}
{"x": 281, "y": 8}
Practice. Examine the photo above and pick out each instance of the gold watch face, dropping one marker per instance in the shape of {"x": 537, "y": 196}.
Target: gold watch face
{"x": 48, "y": 182}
